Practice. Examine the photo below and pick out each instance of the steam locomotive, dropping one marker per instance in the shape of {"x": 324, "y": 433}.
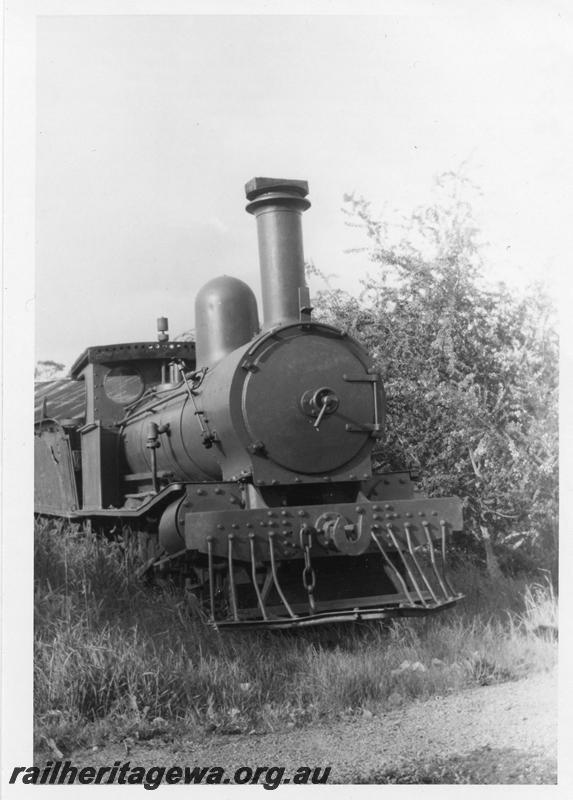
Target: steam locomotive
{"x": 243, "y": 460}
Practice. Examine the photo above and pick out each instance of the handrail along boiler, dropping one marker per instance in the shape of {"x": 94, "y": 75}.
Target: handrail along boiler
{"x": 244, "y": 460}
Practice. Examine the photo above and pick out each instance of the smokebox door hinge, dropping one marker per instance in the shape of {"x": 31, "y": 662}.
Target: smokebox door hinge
{"x": 374, "y": 429}
{"x": 370, "y": 378}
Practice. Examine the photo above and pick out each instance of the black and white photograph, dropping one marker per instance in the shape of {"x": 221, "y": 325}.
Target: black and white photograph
{"x": 284, "y": 289}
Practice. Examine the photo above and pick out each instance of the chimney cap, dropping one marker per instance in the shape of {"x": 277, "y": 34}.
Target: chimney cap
{"x": 257, "y": 186}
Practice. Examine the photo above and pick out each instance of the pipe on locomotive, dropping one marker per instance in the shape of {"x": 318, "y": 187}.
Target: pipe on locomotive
{"x": 277, "y": 206}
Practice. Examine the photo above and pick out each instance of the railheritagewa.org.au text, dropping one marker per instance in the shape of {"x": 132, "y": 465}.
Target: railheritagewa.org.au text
{"x": 124, "y": 773}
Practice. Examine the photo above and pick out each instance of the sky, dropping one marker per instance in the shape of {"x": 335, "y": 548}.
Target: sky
{"x": 148, "y": 127}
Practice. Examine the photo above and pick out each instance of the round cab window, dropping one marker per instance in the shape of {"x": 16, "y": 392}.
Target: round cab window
{"x": 123, "y": 385}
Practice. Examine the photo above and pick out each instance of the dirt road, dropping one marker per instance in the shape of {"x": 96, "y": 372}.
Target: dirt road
{"x": 505, "y": 733}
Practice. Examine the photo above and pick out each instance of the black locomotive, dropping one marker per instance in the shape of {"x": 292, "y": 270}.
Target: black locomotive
{"x": 243, "y": 461}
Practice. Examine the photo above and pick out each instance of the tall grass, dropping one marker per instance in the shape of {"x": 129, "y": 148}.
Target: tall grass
{"x": 113, "y": 657}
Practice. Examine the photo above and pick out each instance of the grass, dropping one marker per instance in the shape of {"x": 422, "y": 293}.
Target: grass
{"x": 114, "y": 659}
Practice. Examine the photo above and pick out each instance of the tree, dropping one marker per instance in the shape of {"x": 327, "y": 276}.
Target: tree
{"x": 470, "y": 371}
{"x": 48, "y": 370}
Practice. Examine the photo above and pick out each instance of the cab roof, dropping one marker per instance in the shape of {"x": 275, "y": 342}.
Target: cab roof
{"x": 133, "y": 351}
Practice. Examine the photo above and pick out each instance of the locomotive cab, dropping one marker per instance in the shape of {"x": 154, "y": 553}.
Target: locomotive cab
{"x": 77, "y": 423}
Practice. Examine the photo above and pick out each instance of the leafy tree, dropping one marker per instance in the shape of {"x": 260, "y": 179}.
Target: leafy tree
{"x": 470, "y": 371}
{"x": 49, "y": 370}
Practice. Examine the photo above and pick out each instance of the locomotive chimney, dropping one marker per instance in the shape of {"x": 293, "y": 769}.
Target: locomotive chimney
{"x": 278, "y": 206}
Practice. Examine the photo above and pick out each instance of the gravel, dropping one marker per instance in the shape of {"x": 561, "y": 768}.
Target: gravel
{"x": 505, "y": 733}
